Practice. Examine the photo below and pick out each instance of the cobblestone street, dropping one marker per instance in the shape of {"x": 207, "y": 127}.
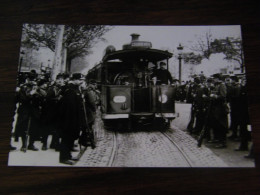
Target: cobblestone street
{"x": 172, "y": 148}
{"x": 147, "y": 149}
{"x": 155, "y": 149}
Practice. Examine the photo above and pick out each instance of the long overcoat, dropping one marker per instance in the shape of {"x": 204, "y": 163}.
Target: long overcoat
{"x": 71, "y": 112}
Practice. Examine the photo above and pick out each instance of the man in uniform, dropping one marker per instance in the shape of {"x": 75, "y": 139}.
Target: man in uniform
{"x": 218, "y": 118}
{"x": 192, "y": 93}
{"x": 243, "y": 118}
{"x": 234, "y": 100}
{"x": 163, "y": 75}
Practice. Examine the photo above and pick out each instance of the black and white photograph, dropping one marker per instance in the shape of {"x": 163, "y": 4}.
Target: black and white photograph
{"x": 131, "y": 96}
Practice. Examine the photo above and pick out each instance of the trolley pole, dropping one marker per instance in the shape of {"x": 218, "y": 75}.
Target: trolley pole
{"x": 180, "y": 58}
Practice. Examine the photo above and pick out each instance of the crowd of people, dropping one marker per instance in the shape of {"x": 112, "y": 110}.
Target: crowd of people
{"x": 213, "y": 99}
{"x": 64, "y": 108}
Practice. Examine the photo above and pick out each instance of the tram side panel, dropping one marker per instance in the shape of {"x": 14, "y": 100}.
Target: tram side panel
{"x": 116, "y": 101}
{"x": 163, "y": 99}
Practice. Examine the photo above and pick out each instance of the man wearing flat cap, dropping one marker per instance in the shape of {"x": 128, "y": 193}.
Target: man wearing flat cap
{"x": 163, "y": 75}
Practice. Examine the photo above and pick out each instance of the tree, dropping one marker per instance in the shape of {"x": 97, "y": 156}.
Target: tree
{"x": 232, "y": 48}
{"x": 192, "y": 58}
{"x": 78, "y": 39}
{"x": 203, "y": 45}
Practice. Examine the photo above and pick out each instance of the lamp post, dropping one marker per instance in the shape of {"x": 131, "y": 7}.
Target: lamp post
{"x": 180, "y": 48}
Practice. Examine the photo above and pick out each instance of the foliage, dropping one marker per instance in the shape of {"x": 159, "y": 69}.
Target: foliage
{"x": 77, "y": 39}
{"x": 231, "y": 47}
{"x": 205, "y": 46}
{"x": 192, "y": 58}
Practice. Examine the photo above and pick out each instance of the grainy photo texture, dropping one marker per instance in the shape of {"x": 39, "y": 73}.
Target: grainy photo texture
{"x": 131, "y": 96}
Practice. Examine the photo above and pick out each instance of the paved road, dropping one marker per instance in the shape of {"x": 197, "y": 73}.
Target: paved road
{"x": 141, "y": 149}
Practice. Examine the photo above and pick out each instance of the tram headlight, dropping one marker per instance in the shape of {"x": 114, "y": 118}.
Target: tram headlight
{"x": 163, "y": 98}
{"x": 119, "y": 99}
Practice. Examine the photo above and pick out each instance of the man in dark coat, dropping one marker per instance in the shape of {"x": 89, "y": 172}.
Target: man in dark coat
{"x": 23, "y": 120}
{"x": 91, "y": 101}
{"x": 163, "y": 75}
{"x": 193, "y": 93}
{"x": 71, "y": 118}
{"x": 50, "y": 112}
{"x": 200, "y": 105}
{"x": 243, "y": 118}
{"x": 233, "y": 97}
{"x": 218, "y": 118}
{"x": 27, "y": 126}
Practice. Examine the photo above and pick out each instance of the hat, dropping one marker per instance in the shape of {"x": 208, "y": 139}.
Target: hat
{"x": 41, "y": 82}
{"x": 76, "y": 76}
{"x": 197, "y": 79}
{"x": 162, "y": 64}
{"x": 234, "y": 78}
{"x": 92, "y": 81}
{"x": 210, "y": 80}
{"x": 32, "y": 76}
{"x": 216, "y": 76}
{"x": 202, "y": 78}
{"x": 60, "y": 76}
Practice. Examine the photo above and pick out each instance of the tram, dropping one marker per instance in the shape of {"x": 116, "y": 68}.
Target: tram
{"x": 128, "y": 89}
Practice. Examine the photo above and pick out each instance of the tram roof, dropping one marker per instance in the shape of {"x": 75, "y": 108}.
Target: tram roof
{"x": 130, "y": 54}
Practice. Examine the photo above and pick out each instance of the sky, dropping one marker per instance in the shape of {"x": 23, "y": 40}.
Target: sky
{"x": 162, "y": 37}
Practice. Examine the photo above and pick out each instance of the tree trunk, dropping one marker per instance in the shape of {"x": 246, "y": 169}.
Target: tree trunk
{"x": 68, "y": 65}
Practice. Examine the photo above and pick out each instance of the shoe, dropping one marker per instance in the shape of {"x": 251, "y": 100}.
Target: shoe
{"x": 93, "y": 145}
{"x": 33, "y": 148}
{"x": 249, "y": 156}
{"x": 44, "y": 147}
{"x": 74, "y": 150}
{"x": 220, "y": 146}
{"x": 213, "y": 141}
{"x": 74, "y": 158}
{"x": 238, "y": 139}
{"x": 12, "y": 148}
{"x": 57, "y": 149}
{"x": 23, "y": 149}
{"x": 67, "y": 162}
{"x": 232, "y": 138}
{"x": 241, "y": 149}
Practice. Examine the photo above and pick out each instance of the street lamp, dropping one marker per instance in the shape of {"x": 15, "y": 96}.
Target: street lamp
{"x": 180, "y": 48}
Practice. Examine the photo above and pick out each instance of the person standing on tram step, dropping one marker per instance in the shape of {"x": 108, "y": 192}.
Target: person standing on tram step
{"x": 91, "y": 101}
{"x": 71, "y": 118}
{"x": 163, "y": 76}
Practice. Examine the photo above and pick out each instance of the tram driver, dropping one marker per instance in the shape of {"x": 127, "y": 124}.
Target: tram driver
{"x": 162, "y": 75}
